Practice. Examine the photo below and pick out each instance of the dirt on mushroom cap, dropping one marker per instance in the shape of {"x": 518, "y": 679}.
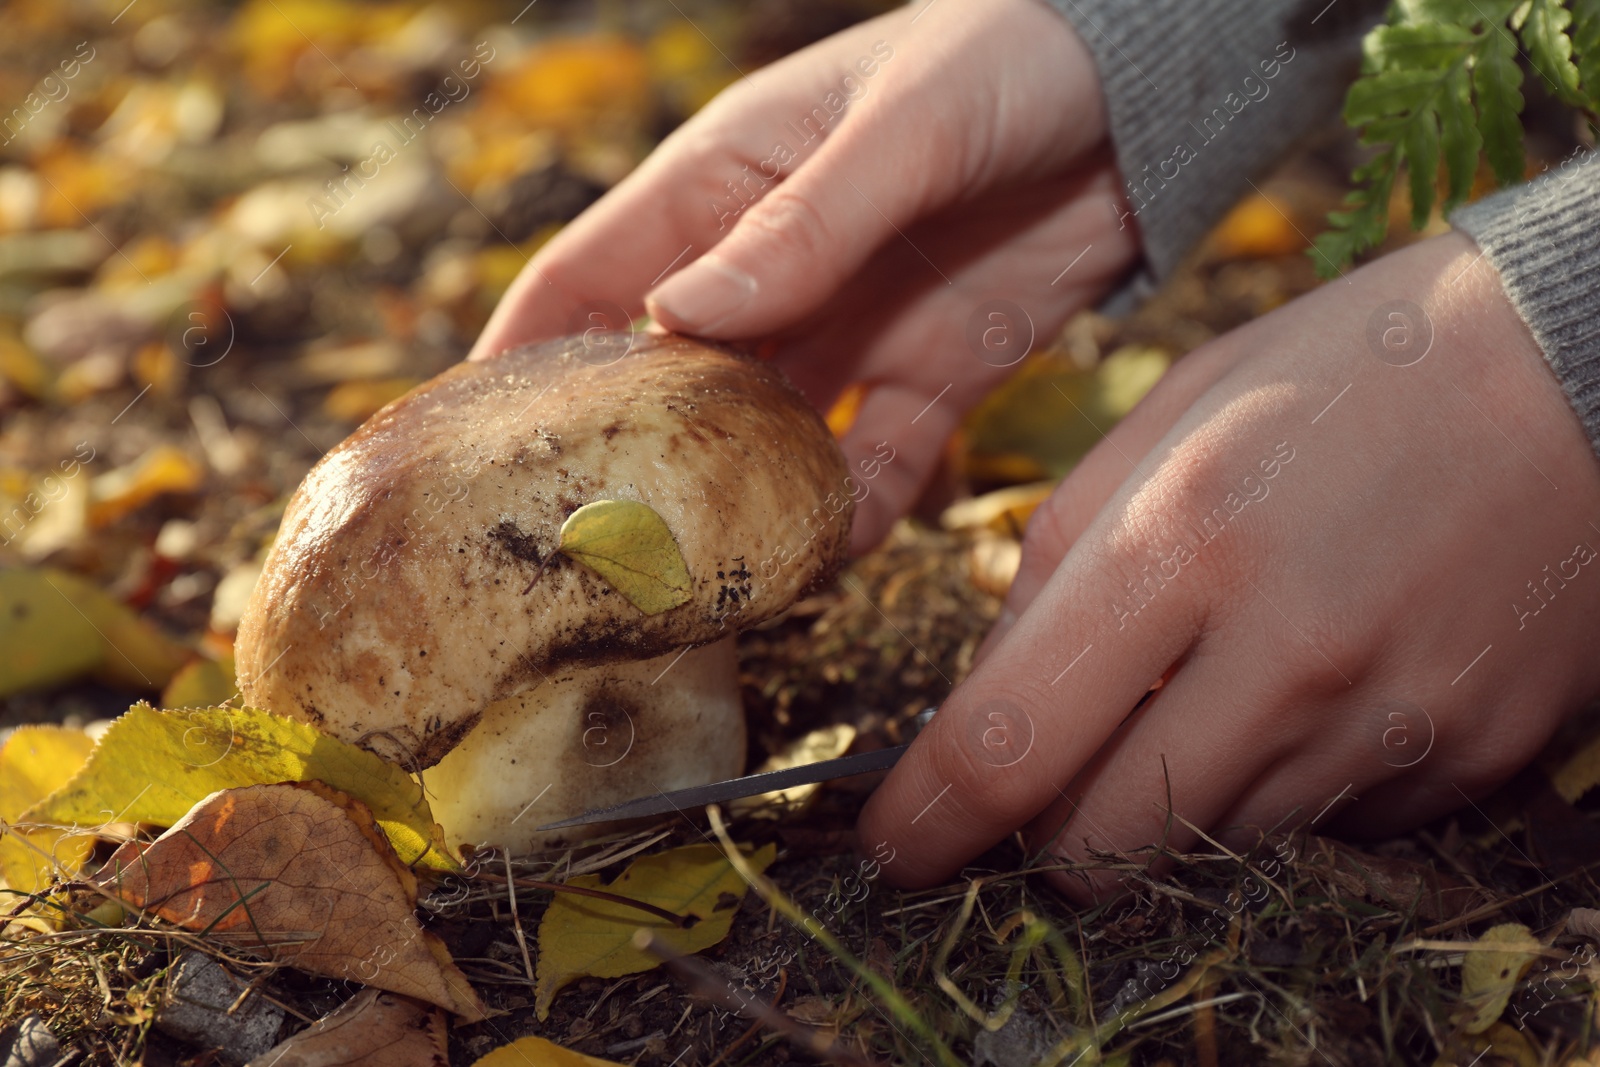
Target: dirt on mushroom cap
{"x": 416, "y": 577}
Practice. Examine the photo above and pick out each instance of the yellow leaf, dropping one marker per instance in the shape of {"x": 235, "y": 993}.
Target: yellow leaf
{"x": 358, "y": 401}
{"x": 1050, "y": 413}
{"x": 34, "y": 762}
{"x": 628, "y": 544}
{"x": 1005, "y": 511}
{"x": 1580, "y": 772}
{"x": 583, "y": 937}
{"x": 133, "y": 653}
{"x": 1258, "y": 228}
{"x": 537, "y": 1052}
{"x": 1488, "y": 977}
{"x": 828, "y": 742}
{"x": 46, "y": 639}
{"x": 1506, "y": 1042}
{"x": 24, "y": 368}
{"x": 153, "y": 766}
{"x": 575, "y": 82}
{"x": 204, "y": 683}
{"x": 163, "y": 469}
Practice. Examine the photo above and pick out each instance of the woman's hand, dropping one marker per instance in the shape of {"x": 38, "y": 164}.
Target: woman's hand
{"x": 1357, "y": 536}
{"x": 861, "y": 202}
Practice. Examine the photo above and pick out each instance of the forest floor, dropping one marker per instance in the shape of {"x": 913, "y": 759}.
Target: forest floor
{"x": 144, "y": 197}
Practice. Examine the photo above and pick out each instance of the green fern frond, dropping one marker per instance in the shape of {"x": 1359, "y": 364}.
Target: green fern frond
{"x": 1440, "y": 87}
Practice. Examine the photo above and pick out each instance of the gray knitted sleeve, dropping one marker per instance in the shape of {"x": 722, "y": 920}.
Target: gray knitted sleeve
{"x": 1205, "y": 95}
{"x": 1544, "y": 239}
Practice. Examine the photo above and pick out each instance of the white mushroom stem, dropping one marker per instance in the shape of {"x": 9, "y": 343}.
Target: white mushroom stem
{"x": 589, "y": 739}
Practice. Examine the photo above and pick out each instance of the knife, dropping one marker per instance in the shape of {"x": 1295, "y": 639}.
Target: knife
{"x": 698, "y": 796}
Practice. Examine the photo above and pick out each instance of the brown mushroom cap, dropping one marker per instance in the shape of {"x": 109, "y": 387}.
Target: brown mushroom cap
{"x": 416, "y": 578}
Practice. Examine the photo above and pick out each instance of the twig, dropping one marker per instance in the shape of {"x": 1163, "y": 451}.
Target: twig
{"x": 704, "y": 981}
{"x": 516, "y": 920}
{"x": 682, "y": 922}
{"x": 722, "y": 1057}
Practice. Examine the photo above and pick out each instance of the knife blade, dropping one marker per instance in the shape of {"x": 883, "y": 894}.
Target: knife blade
{"x": 698, "y": 796}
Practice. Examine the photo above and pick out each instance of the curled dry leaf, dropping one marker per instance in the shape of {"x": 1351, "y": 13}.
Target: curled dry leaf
{"x": 371, "y": 1029}
{"x": 583, "y": 937}
{"x": 154, "y": 766}
{"x": 1584, "y": 922}
{"x": 301, "y": 872}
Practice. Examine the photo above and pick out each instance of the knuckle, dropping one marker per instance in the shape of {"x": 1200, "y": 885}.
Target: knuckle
{"x": 788, "y": 220}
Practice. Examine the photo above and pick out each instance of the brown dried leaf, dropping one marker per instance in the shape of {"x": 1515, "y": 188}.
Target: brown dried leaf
{"x": 303, "y": 872}
{"x": 1397, "y": 883}
{"x": 372, "y": 1029}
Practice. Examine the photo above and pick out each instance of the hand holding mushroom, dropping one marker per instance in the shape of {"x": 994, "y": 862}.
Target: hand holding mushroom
{"x": 417, "y": 602}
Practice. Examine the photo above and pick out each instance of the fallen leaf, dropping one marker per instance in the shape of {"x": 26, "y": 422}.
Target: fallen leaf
{"x": 35, "y": 761}
{"x": 1005, "y": 511}
{"x": 537, "y": 1052}
{"x": 359, "y": 401}
{"x": 993, "y": 562}
{"x": 1584, "y": 922}
{"x": 1400, "y": 884}
{"x": 1049, "y": 414}
{"x": 371, "y": 1029}
{"x": 1259, "y": 227}
{"x": 1488, "y": 977}
{"x": 1506, "y": 1042}
{"x": 583, "y": 937}
{"x": 153, "y": 766}
{"x": 827, "y": 742}
{"x": 1579, "y": 772}
{"x": 300, "y": 871}
{"x": 163, "y": 469}
{"x": 55, "y": 626}
{"x": 46, "y": 640}
{"x": 628, "y": 544}
{"x": 203, "y": 683}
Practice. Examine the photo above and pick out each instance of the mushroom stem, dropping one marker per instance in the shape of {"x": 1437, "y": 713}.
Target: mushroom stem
{"x": 587, "y": 739}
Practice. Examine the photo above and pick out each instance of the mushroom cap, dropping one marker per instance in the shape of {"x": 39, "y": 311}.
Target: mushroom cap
{"x": 415, "y": 578}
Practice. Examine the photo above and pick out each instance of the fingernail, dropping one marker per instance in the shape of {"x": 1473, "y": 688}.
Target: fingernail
{"x": 703, "y": 295}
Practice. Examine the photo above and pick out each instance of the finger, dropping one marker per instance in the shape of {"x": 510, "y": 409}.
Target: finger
{"x": 1122, "y": 453}
{"x": 912, "y": 344}
{"x": 1159, "y": 780}
{"x": 892, "y": 447}
{"x": 1032, "y": 714}
{"x": 911, "y": 146}
{"x": 672, "y": 208}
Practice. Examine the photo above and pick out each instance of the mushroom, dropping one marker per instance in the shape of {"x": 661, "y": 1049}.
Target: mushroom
{"x": 416, "y": 602}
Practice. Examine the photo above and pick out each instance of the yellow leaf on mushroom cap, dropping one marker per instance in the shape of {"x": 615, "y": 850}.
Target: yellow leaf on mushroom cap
{"x": 628, "y": 544}
{"x": 583, "y": 937}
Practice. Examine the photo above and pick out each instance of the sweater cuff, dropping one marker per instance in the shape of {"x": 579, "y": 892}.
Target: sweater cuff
{"x": 1544, "y": 239}
{"x": 1205, "y": 95}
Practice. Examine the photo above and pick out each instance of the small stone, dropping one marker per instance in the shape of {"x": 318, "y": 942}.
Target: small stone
{"x": 200, "y": 993}
{"x": 28, "y": 1044}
